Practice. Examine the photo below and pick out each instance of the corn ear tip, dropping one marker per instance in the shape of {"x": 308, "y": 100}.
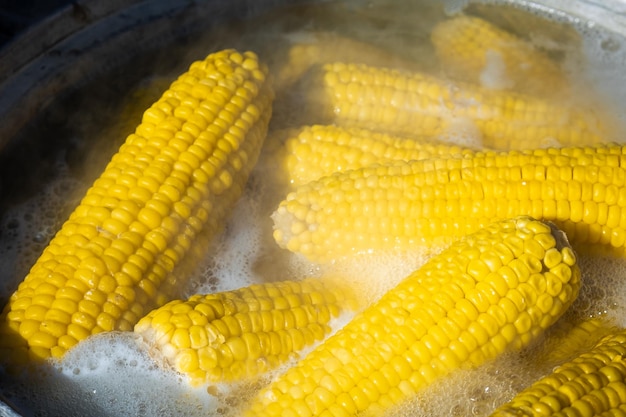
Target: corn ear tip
{"x": 562, "y": 241}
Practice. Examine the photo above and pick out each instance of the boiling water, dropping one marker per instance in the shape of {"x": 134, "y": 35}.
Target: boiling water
{"x": 116, "y": 374}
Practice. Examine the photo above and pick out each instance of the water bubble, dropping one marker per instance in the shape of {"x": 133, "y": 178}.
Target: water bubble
{"x": 40, "y": 237}
{"x": 610, "y": 45}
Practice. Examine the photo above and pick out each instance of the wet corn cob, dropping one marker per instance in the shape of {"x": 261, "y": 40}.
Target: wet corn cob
{"x": 474, "y": 50}
{"x": 416, "y": 104}
{"x": 233, "y": 335}
{"x": 426, "y": 203}
{"x": 176, "y": 177}
{"x": 492, "y": 291}
{"x": 305, "y": 53}
{"x": 592, "y": 384}
{"x": 310, "y": 152}
{"x": 325, "y": 47}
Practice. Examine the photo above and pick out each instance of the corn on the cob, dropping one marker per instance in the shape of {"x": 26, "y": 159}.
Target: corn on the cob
{"x": 177, "y": 176}
{"x": 407, "y": 204}
{"x": 229, "y": 336}
{"x": 325, "y": 47}
{"x": 495, "y": 290}
{"x": 417, "y": 104}
{"x": 474, "y": 50}
{"x": 592, "y": 384}
{"x": 310, "y": 152}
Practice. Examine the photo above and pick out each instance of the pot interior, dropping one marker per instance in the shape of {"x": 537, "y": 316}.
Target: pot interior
{"x": 69, "y": 107}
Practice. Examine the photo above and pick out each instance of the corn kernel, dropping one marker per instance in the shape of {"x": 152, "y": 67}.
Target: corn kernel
{"x": 42, "y": 339}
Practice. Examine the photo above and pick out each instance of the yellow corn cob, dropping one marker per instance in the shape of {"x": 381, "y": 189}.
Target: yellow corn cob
{"x": 492, "y": 291}
{"x": 474, "y": 50}
{"x": 422, "y": 203}
{"x": 592, "y": 384}
{"x": 310, "y": 152}
{"x": 325, "y": 47}
{"x": 416, "y": 104}
{"x": 228, "y": 336}
{"x": 177, "y": 176}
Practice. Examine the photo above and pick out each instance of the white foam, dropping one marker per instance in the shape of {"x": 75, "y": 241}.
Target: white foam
{"x": 494, "y": 75}
{"x": 231, "y": 264}
{"x": 29, "y": 225}
{"x": 603, "y": 289}
{"x": 372, "y": 276}
{"x": 475, "y": 392}
{"x": 112, "y": 374}
{"x": 463, "y": 132}
{"x": 109, "y": 367}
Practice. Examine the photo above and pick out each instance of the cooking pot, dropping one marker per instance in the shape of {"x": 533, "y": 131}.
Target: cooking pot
{"x": 65, "y": 82}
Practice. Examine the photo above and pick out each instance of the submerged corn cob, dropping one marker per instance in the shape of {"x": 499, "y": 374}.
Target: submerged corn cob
{"x": 422, "y": 203}
{"x": 229, "y": 336}
{"x": 477, "y": 51}
{"x": 325, "y": 47}
{"x": 311, "y": 152}
{"x": 176, "y": 177}
{"x": 492, "y": 291}
{"x": 417, "y": 104}
{"x": 592, "y": 384}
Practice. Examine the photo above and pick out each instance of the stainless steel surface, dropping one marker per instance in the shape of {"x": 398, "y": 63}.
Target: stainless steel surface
{"x": 6, "y": 411}
{"x": 91, "y": 36}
